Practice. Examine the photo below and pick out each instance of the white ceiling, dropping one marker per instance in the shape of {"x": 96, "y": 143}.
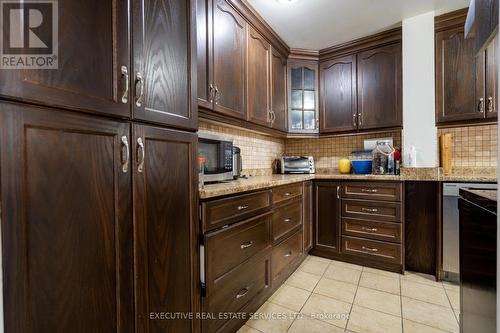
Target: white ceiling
{"x": 317, "y": 24}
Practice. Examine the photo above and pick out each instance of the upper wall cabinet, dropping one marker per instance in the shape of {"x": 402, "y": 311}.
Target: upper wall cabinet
{"x": 303, "y": 97}
{"x": 482, "y": 23}
{"x": 258, "y": 56}
{"x": 92, "y": 72}
{"x": 164, "y": 62}
{"x": 338, "y": 109}
{"x": 222, "y": 39}
{"x": 278, "y": 91}
{"x": 465, "y": 82}
{"x": 362, "y": 91}
{"x": 380, "y": 87}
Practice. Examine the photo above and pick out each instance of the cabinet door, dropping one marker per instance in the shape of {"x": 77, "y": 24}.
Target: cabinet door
{"x": 338, "y": 109}
{"x": 204, "y": 52}
{"x": 492, "y": 80}
{"x": 459, "y": 78}
{"x": 327, "y": 229}
{"x": 303, "y": 97}
{"x": 165, "y": 204}
{"x": 308, "y": 216}
{"x": 278, "y": 90}
{"x": 92, "y": 46}
{"x": 379, "y": 87}
{"x": 485, "y": 22}
{"x": 258, "y": 55}
{"x": 229, "y": 53}
{"x": 66, "y": 222}
{"x": 164, "y": 49}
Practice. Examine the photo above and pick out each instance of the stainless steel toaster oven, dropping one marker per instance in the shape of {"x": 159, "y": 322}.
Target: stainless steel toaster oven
{"x": 297, "y": 164}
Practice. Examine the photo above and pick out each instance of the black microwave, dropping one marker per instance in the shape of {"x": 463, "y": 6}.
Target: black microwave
{"x": 218, "y": 154}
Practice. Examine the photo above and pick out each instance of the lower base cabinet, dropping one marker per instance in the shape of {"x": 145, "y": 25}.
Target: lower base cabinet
{"x": 84, "y": 206}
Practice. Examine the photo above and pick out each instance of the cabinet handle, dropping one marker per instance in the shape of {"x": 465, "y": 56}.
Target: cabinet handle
{"x": 317, "y": 123}
{"x": 354, "y": 120}
{"x": 125, "y": 154}
{"x": 338, "y": 191}
{"x": 288, "y": 220}
{"x": 140, "y": 81}
{"x": 217, "y": 94}
{"x": 273, "y": 117}
{"x": 490, "y": 104}
{"x": 211, "y": 92}
{"x": 242, "y": 207}
{"x": 127, "y": 83}
{"x": 369, "y": 229}
{"x": 369, "y": 210}
{"x": 369, "y": 249}
{"x": 141, "y": 154}
{"x": 360, "y": 119}
{"x": 242, "y": 293}
{"x": 288, "y": 254}
{"x": 481, "y": 105}
{"x": 246, "y": 244}
{"x": 369, "y": 190}
{"x": 287, "y": 194}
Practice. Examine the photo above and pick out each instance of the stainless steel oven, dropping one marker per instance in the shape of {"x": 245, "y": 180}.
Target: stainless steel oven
{"x": 218, "y": 154}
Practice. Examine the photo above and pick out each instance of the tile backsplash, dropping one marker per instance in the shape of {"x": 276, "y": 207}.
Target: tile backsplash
{"x": 328, "y": 151}
{"x": 473, "y": 146}
{"x": 258, "y": 152}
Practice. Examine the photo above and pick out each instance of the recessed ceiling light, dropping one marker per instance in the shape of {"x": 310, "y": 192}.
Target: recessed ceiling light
{"x": 287, "y": 1}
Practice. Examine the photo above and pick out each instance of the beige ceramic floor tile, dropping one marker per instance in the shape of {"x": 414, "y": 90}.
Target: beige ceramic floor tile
{"x": 425, "y": 292}
{"x": 336, "y": 289}
{"x": 363, "y": 320}
{"x": 343, "y": 274}
{"x": 381, "y": 272}
{"x": 314, "y": 267}
{"x": 346, "y": 265}
{"x": 454, "y": 297}
{"x": 421, "y": 278}
{"x": 430, "y": 314}
{"x": 413, "y": 327}
{"x": 290, "y": 297}
{"x": 303, "y": 280}
{"x": 272, "y": 318}
{"x": 380, "y": 282}
{"x": 379, "y": 301}
{"x": 451, "y": 286}
{"x": 327, "y": 309}
{"x": 248, "y": 329}
{"x": 306, "y": 324}
{"x": 320, "y": 259}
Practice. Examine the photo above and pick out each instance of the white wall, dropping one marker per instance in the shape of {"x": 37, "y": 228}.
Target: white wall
{"x": 419, "y": 128}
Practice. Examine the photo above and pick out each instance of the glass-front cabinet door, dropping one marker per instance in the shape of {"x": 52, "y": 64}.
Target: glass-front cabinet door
{"x": 303, "y": 97}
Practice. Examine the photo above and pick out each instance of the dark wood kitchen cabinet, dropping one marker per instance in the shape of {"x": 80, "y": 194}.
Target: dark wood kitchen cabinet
{"x": 307, "y": 219}
{"x": 379, "y": 86}
{"x": 67, "y": 227}
{"x": 327, "y": 218}
{"x": 93, "y": 62}
{"x": 278, "y": 91}
{"x": 485, "y": 23}
{"x": 258, "y": 57}
{"x": 164, "y": 60}
{"x": 466, "y": 82}
{"x": 204, "y": 40}
{"x": 166, "y": 256}
{"x": 338, "y": 95}
{"x": 229, "y": 60}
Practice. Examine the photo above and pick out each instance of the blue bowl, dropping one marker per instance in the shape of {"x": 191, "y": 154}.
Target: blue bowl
{"x": 362, "y": 167}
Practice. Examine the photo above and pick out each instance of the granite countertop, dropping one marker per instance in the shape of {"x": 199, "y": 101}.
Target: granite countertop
{"x": 266, "y": 181}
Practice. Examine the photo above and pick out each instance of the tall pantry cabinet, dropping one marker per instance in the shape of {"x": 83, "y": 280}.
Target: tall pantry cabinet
{"x": 92, "y": 153}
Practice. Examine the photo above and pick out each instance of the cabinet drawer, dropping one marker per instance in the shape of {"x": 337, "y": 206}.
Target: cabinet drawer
{"x": 365, "y": 248}
{"x": 285, "y": 253}
{"x": 234, "y": 290}
{"x": 217, "y": 213}
{"x": 286, "y": 218}
{"x": 372, "y": 191}
{"x": 373, "y": 210}
{"x": 286, "y": 192}
{"x": 229, "y": 247}
{"x": 386, "y": 231}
